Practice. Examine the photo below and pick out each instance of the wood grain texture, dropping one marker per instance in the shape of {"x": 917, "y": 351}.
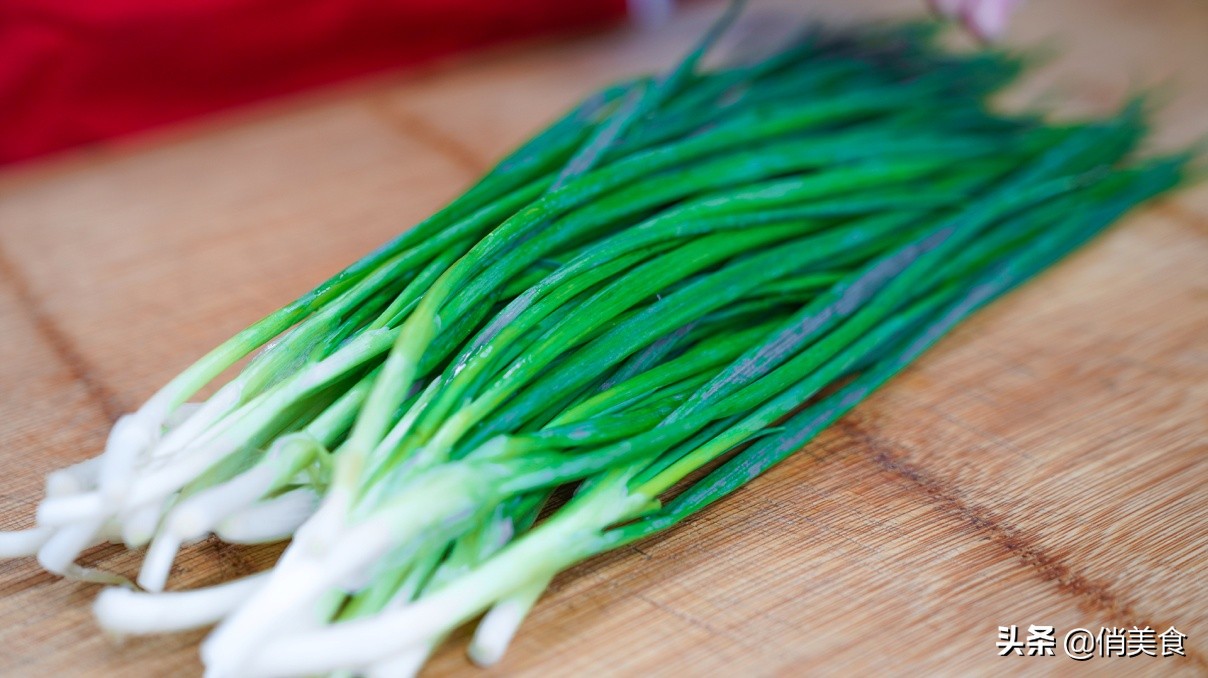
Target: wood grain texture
{"x": 1046, "y": 464}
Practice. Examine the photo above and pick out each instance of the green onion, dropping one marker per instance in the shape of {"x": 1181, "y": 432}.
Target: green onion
{"x": 671, "y": 289}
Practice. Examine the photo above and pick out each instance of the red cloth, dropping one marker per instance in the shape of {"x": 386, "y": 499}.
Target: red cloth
{"x": 77, "y": 71}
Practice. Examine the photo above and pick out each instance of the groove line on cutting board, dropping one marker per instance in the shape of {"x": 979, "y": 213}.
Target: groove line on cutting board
{"x": 1048, "y": 567}
{"x": 415, "y": 127}
{"x": 1182, "y": 215}
{"x": 59, "y": 342}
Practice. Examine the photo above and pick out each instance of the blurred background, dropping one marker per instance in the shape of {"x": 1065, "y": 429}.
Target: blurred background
{"x": 74, "y": 74}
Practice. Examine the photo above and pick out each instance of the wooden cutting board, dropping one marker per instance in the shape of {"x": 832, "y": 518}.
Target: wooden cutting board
{"x": 1046, "y": 464}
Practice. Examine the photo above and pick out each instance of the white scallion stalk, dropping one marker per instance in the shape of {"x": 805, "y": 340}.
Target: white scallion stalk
{"x": 129, "y": 440}
{"x": 295, "y": 585}
{"x": 270, "y": 520}
{"x": 65, "y": 510}
{"x": 139, "y": 525}
{"x": 217, "y": 406}
{"x": 204, "y": 511}
{"x": 200, "y": 513}
{"x": 74, "y": 479}
{"x": 405, "y": 664}
{"x": 440, "y": 501}
{"x": 19, "y": 543}
{"x": 182, "y": 414}
{"x": 499, "y": 625}
{"x": 59, "y": 552}
{"x": 123, "y": 611}
{"x": 157, "y": 564}
{"x": 564, "y": 539}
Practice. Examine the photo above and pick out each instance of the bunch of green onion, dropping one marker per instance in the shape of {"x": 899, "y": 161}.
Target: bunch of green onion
{"x": 671, "y": 289}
